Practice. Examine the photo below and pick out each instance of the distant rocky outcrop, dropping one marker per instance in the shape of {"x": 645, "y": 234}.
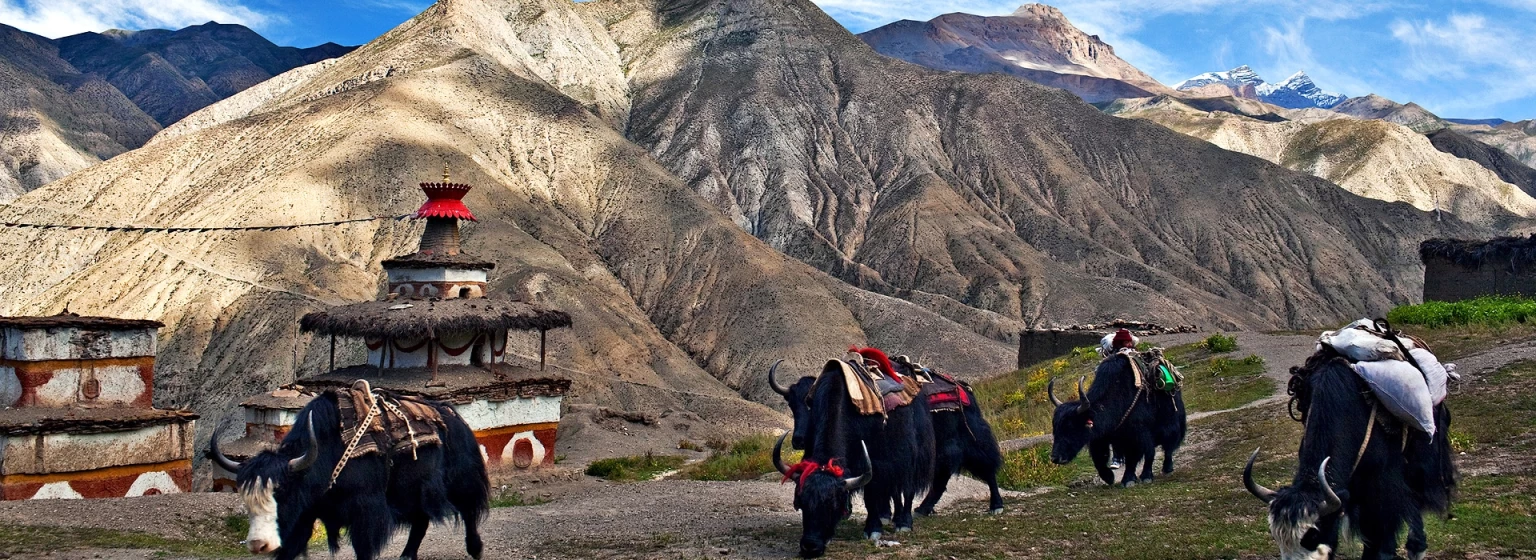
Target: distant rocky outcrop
{"x": 1376, "y": 107}
{"x": 1036, "y": 43}
{"x": 1515, "y": 138}
{"x": 1506, "y": 166}
{"x": 170, "y": 74}
{"x": 55, "y": 119}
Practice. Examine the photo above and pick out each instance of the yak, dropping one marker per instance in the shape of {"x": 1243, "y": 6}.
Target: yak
{"x": 962, "y": 440}
{"x": 898, "y": 461}
{"x": 1385, "y": 481}
{"x": 286, "y": 490}
{"x": 1114, "y": 412}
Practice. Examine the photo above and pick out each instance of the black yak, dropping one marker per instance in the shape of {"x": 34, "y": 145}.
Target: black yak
{"x": 899, "y": 448}
{"x": 288, "y": 489}
{"x": 962, "y": 439}
{"x": 1384, "y": 481}
{"x": 1115, "y": 412}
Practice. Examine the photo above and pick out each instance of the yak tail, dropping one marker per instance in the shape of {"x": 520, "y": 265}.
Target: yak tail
{"x": 1430, "y": 467}
{"x": 469, "y": 486}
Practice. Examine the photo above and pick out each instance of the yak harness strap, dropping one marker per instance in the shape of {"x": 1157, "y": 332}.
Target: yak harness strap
{"x": 1369, "y": 426}
{"x": 356, "y": 437}
{"x": 1134, "y": 400}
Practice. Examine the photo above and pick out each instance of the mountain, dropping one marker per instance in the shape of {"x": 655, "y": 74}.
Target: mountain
{"x": 1515, "y": 138}
{"x": 57, "y": 120}
{"x": 706, "y": 186}
{"x": 1296, "y": 92}
{"x": 1506, "y": 166}
{"x": 1036, "y": 43}
{"x": 170, "y": 74}
{"x": 1372, "y": 158}
{"x": 1376, "y": 107}
{"x": 1489, "y": 122}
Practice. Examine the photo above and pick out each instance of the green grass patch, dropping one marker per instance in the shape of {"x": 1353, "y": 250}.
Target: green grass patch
{"x": 1487, "y": 310}
{"x": 515, "y": 499}
{"x": 1220, "y": 383}
{"x": 1219, "y": 344}
{"x": 640, "y": 467}
{"x": 747, "y": 459}
{"x": 212, "y": 538}
{"x": 1031, "y": 467}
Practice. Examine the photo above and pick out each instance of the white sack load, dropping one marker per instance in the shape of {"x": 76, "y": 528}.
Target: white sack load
{"x": 1400, "y": 388}
{"x": 1361, "y": 346}
{"x": 1434, "y": 371}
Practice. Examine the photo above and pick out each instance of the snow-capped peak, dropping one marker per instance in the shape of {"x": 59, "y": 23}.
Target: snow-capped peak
{"x": 1296, "y": 92}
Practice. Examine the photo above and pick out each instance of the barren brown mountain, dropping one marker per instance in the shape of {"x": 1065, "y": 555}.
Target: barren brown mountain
{"x": 55, "y": 120}
{"x": 705, "y": 186}
{"x": 1035, "y": 43}
{"x": 1372, "y": 158}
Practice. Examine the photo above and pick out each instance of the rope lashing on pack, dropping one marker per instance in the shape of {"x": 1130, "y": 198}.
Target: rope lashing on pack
{"x": 357, "y": 437}
{"x": 181, "y": 229}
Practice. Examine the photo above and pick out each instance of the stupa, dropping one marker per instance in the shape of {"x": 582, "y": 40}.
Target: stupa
{"x": 437, "y": 334}
{"x": 76, "y": 412}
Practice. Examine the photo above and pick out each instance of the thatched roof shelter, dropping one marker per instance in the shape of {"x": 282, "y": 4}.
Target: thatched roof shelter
{"x": 408, "y": 318}
{"x": 1474, "y": 253}
{"x": 71, "y": 320}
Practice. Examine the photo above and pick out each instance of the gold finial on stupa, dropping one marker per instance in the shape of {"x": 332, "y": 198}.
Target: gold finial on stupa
{"x": 445, "y": 174}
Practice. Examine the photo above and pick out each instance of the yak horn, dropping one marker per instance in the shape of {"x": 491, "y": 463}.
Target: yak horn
{"x": 1050, "y": 392}
{"x": 778, "y": 455}
{"x": 1332, "y": 502}
{"x": 1258, "y": 491}
{"x": 223, "y": 461}
{"x": 1081, "y": 396}
{"x": 312, "y": 453}
{"x": 858, "y": 482}
{"x": 774, "y": 382}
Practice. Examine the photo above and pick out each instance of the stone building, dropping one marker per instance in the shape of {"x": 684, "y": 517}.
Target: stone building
{"x": 435, "y": 334}
{"x": 76, "y": 411}
{"x": 1456, "y": 269}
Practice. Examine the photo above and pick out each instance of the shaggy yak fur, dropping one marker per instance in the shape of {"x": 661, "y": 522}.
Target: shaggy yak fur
{"x": 830, "y": 427}
{"x": 1391, "y": 487}
{"x": 961, "y": 441}
{"x": 1113, "y": 413}
{"x": 286, "y": 490}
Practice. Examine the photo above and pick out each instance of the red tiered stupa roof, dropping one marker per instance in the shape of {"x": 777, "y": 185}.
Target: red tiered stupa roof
{"x": 445, "y": 200}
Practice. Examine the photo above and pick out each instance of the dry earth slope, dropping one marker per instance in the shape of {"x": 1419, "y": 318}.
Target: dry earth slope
{"x": 989, "y": 193}
{"x": 675, "y": 306}
{"x": 1372, "y": 158}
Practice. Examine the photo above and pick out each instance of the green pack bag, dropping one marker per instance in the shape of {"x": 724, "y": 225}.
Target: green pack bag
{"x": 1168, "y": 377}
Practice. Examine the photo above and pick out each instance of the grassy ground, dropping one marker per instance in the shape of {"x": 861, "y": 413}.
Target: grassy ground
{"x": 212, "y": 538}
{"x": 1487, "y": 310}
{"x": 1017, "y": 406}
{"x": 1201, "y": 511}
{"x": 747, "y": 459}
{"x": 639, "y": 467}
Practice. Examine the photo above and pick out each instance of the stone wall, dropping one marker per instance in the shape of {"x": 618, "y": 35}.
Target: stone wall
{"x": 1445, "y": 280}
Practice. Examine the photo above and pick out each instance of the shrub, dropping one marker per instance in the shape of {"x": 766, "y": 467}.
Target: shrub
{"x": 1487, "y": 310}
{"x": 689, "y": 445}
{"x": 643, "y": 467}
{"x": 1219, "y": 343}
{"x": 746, "y": 459}
{"x": 1031, "y": 467}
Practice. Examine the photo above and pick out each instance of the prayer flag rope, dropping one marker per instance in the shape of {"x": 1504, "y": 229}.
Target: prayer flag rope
{"x": 24, "y": 225}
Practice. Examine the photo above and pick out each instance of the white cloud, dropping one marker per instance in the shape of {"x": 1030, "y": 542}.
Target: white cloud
{"x": 1490, "y": 62}
{"x": 58, "y": 18}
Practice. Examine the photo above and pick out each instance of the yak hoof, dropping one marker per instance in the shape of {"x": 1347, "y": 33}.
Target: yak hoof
{"x": 996, "y": 511}
{"x": 924, "y": 511}
{"x": 875, "y": 536}
{"x": 903, "y": 529}
{"x": 1127, "y": 484}
{"x": 1417, "y": 555}
{"x": 1146, "y": 480}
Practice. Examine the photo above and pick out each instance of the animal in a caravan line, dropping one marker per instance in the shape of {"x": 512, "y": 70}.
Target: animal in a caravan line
{"x": 1358, "y": 464}
{"x": 899, "y": 448}
{"x": 286, "y": 490}
{"x": 1118, "y": 411}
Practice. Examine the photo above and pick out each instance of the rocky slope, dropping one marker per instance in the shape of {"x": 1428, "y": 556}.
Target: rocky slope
{"x": 1517, "y": 139}
{"x": 1376, "y": 107}
{"x": 1372, "y": 158}
{"x": 1506, "y": 166}
{"x": 55, "y": 120}
{"x": 170, "y": 74}
{"x": 1036, "y": 43}
{"x": 706, "y": 186}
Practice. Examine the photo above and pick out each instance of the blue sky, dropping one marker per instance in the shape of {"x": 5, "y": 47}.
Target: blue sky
{"x": 1459, "y": 58}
